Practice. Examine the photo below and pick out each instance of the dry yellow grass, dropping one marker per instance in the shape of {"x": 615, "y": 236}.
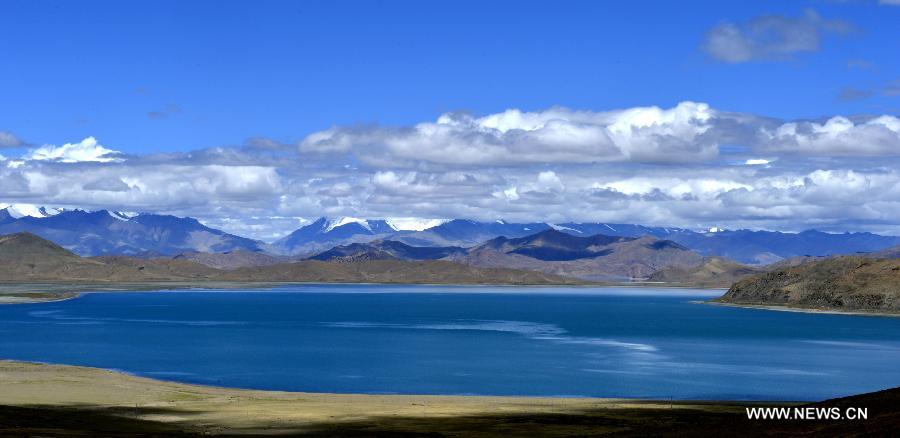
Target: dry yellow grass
{"x": 194, "y": 408}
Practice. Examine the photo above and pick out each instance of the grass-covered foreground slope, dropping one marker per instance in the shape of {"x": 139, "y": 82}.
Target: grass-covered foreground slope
{"x": 853, "y": 284}
{"x": 66, "y": 401}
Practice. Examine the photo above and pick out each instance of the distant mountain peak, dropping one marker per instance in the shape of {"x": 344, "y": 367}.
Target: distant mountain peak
{"x": 18, "y": 211}
{"x": 413, "y": 223}
{"x": 331, "y": 224}
{"x": 562, "y": 228}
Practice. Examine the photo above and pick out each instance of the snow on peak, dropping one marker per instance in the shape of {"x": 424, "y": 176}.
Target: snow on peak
{"x": 715, "y": 230}
{"x": 331, "y": 224}
{"x": 29, "y": 210}
{"x": 121, "y": 215}
{"x": 413, "y": 223}
{"x": 562, "y": 228}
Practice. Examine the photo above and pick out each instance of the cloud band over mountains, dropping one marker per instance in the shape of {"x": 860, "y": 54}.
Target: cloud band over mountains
{"x": 688, "y": 165}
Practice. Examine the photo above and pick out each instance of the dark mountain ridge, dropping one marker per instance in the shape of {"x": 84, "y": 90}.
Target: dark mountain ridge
{"x": 388, "y": 249}
{"x": 553, "y": 245}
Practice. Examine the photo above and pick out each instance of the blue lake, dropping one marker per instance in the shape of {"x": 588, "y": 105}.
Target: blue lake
{"x": 604, "y": 342}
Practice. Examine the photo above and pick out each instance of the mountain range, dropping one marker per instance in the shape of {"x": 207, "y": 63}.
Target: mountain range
{"x": 93, "y": 233}
{"x": 103, "y": 232}
{"x": 744, "y": 246}
{"x": 597, "y": 257}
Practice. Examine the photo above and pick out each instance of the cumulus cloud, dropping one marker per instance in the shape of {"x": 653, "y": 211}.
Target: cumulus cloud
{"x": 85, "y": 150}
{"x": 648, "y": 165}
{"x": 769, "y": 37}
{"x": 514, "y": 137}
{"x": 836, "y": 136}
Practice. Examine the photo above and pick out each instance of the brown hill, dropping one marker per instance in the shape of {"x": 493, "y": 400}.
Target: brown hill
{"x": 231, "y": 259}
{"x": 24, "y": 256}
{"x": 392, "y": 271}
{"x": 29, "y": 252}
{"x": 713, "y": 272}
{"x": 849, "y": 283}
{"x": 28, "y": 258}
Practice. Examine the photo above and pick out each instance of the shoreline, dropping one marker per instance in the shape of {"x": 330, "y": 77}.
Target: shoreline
{"x": 780, "y": 308}
{"x": 48, "y": 292}
{"x": 38, "y": 366}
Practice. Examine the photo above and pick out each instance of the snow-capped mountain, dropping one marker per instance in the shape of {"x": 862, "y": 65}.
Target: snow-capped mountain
{"x": 109, "y": 232}
{"x": 325, "y": 233}
{"x": 17, "y": 211}
{"x": 103, "y": 232}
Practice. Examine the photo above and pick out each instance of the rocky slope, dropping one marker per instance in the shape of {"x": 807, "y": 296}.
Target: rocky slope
{"x": 849, "y": 283}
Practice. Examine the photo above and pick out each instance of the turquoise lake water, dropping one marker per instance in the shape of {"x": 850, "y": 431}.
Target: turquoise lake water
{"x": 606, "y": 342}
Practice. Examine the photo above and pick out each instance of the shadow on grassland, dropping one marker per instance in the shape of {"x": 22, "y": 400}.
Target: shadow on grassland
{"x": 705, "y": 420}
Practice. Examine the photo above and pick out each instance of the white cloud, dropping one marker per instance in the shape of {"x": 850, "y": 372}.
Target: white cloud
{"x": 836, "y": 136}
{"x": 85, "y": 150}
{"x": 769, "y": 37}
{"x": 636, "y": 165}
{"x": 514, "y": 137}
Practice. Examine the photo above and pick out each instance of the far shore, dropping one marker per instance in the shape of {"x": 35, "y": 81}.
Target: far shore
{"x": 46, "y": 292}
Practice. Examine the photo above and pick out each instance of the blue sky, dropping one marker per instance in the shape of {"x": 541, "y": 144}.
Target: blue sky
{"x": 233, "y": 70}
{"x": 254, "y": 87}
